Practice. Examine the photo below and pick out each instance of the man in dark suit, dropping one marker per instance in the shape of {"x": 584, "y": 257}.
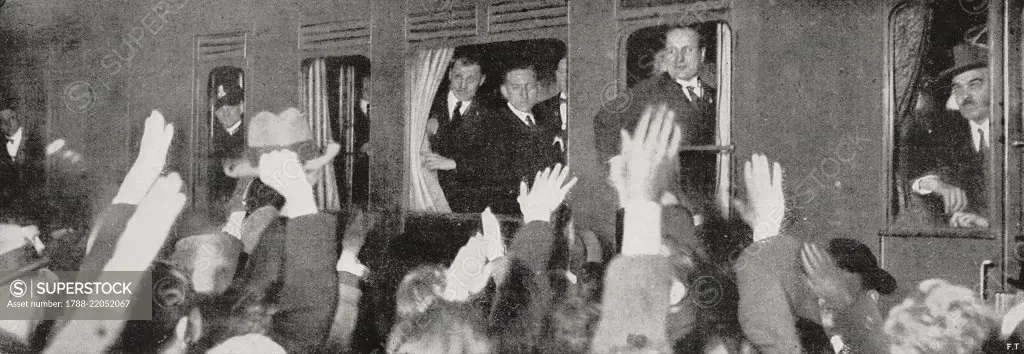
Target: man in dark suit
{"x": 682, "y": 91}
{"x": 516, "y": 146}
{"x": 555, "y": 110}
{"x": 953, "y": 190}
{"x": 22, "y": 168}
{"x": 451, "y": 142}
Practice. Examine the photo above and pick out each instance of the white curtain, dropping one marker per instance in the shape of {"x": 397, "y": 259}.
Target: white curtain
{"x": 427, "y": 70}
{"x": 723, "y": 189}
{"x": 318, "y": 114}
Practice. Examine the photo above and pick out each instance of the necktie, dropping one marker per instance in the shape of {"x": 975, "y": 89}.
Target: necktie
{"x": 981, "y": 140}
{"x": 529, "y": 120}
{"x": 693, "y": 94}
{"x": 457, "y": 113}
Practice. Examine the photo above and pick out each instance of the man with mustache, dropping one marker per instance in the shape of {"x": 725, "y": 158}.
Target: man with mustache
{"x": 957, "y": 189}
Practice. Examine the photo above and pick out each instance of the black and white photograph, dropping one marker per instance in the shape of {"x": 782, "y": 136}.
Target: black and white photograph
{"x": 512, "y": 176}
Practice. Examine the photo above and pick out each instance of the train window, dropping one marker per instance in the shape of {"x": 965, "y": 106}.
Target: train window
{"x": 337, "y": 104}
{"x": 482, "y": 118}
{"x": 226, "y": 127}
{"x": 944, "y": 135}
{"x": 688, "y": 68}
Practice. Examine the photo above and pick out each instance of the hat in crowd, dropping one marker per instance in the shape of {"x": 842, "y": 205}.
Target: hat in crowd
{"x": 970, "y": 54}
{"x": 286, "y": 130}
{"x": 854, "y": 256}
{"x": 211, "y": 260}
{"x": 634, "y": 308}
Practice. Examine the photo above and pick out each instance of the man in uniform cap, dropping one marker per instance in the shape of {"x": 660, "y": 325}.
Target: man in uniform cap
{"x": 228, "y": 134}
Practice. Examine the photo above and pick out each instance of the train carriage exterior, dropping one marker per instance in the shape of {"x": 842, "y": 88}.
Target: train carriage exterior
{"x": 810, "y": 83}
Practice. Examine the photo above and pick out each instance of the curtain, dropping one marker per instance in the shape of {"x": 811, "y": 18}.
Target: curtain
{"x": 318, "y": 115}
{"x": 347, "y": 105}
{"x": 427, "y": 70}
{"x": 909, "y": 26}
{"x": 723, "y": 188}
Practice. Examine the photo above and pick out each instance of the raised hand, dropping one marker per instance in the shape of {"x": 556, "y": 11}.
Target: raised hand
{"x": 825, "y": 278}
{"x": 282, "y": 171}
{"x": 147, "y": 230}
{"x": 548, "y": 192}
{"x": 492, "y": 235}
{"x": 639, "y": 172}
{"x": 469, "y": 271}
{"x": 765, "y": 207}
{"x": 156, "y": 139}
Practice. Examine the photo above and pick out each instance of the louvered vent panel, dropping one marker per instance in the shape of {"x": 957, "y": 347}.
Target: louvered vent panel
{"x": 331, "y": 35}
{"x": 221, "y": 46}
{"x": 511, "y": 16}
{"x": 458, "y": 22}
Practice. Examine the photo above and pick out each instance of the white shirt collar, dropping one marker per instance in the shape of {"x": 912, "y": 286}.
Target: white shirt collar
{"x": 522, "y": 115}
{"x": 452, "y": 100}
{"x": 563, "y": 96}
{"x": 234, "y": 128}
{"x": 15, "y": 144}
{"x": 984, "y": 126}
{"x": 692, "y": 82}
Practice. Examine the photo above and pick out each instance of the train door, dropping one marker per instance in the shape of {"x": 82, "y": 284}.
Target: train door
{"x": 953, "y": 104}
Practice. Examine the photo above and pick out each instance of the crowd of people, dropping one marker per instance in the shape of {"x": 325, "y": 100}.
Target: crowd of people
{"x": 267, "y": 275}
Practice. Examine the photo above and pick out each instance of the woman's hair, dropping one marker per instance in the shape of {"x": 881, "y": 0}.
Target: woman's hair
{"x": 445, "y": 327}
{"x": 419, "y": 290}
{"x": 942, "y": 318}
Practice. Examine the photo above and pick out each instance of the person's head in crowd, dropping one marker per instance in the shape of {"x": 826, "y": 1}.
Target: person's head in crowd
{"x": 562, "y": 75}
{"x": 9, "y": 122}
{"x": 237, "y": 317}
{"x": 684, "y": 53}
{"x": 173, "y": 299}
{"x": 443, "y": 328}
{"x": 465, "y": 77}
{"x": 229, "y": 105}
{"x": 207, "y": 255}
{"x": 419, "y": 290}
{"x": 519, "y": 87}
{"x": 941, "y": 318}
{"x": 571, "y": 325}
{"x": 862, "y": 273}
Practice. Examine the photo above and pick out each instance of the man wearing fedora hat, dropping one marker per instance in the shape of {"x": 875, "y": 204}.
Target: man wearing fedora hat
{"x": 955, "y": 189}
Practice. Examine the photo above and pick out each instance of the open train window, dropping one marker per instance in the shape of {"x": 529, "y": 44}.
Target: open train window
{"x": 947, "y": 133}
{"x": 482, "y": 118}
{"x": 687, "y": 67}
{"x": 337, "y": 105}
{"x": 226, "y": 132}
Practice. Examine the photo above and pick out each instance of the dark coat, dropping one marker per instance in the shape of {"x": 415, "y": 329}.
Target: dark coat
{"x": 939, "y": 144}
{"x": 551, "y": 118}
{"x": 455, "y": 140}
{"x": 26, "y": 171}
{"x": 508, "y": 151}
{"x": 698, "y": 123}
